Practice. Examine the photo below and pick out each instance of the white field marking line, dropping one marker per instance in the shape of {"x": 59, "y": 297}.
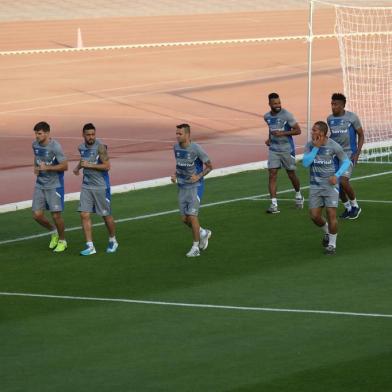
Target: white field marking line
{"x": 202, "y": 306}
{"x": 146, "y": 216}
{"x": 258, "y": 198}
{"x": 256, "y": 40}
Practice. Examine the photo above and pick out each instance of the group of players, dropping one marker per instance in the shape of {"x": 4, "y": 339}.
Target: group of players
{"x": 330, "y": 159}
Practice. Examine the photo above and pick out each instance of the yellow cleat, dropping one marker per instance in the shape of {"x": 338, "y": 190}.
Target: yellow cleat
{"x": 61, "y": 246}
{"x": 54, "y": 239}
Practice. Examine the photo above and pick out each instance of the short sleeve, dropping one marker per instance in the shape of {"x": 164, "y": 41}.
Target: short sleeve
{"x": 58, "y": 152}
{"x": 201, "y": 154}
{"x": 290, "y": 119}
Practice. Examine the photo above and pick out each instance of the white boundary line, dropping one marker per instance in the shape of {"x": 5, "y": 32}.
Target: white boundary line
{"x": 203, "y": 306}
{"x": 232, "y": 41}
{"x": 162, "y": 213}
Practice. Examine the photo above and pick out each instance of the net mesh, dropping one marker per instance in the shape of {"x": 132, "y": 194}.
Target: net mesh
{"x": 365, "y": 42}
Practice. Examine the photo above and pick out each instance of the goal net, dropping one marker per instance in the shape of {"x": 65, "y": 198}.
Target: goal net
{"x": 364, "y": 35}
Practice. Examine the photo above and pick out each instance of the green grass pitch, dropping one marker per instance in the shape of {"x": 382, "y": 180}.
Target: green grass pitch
{"x": 254, "y": 260}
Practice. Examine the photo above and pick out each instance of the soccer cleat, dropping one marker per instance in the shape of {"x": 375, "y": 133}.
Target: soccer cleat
{"x": 325, "y": 240}
{"x": 204, "y": 240}
{"x": 330, "y": 250}
{"x": 112, "y": 247}
{"x": 273, "y": 209}
{"x": 194, "y": 252}
{"x": 345, "y": 214}
{"x": 61, "y": 246}
{"x": 354, "y": 213}
{"x": 88, "y": 251}
{"x": 54, "y": 239}
{"x": 299, "y": 202}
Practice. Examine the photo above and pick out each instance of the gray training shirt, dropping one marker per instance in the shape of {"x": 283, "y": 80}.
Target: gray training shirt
{"x": 51, "y": 154}
{"x": 323, "y": 165}
{"x": 92, "y": 178}
{"x": 282, "y": 121}
{"x": 189, "y": 161}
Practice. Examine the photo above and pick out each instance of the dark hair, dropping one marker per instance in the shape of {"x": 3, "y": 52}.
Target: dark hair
{"x": 322, "y": 126}
{"x": 338, "y": 97}
{"x": 185, "y": 127}
{"x": 273, "y": 96}
{"x": 42, "y": 126}
{"x": 87, "y": 127}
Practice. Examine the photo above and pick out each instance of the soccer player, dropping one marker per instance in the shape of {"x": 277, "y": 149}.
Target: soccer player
{"x": 192, "y": 164}
{"x": 346, "y": 130}
{"x": 95, "y": 194}
{"x": 319, "y": 156}
{"x": 49, "y": 166}
{"x": 282, "y": 127}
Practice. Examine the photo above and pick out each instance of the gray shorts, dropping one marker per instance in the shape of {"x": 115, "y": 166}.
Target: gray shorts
{"x": 324, "y": 197}
{"x": 95, "y": 200}
{"x": 48, "y": 199}
{"x": 276, "y": 160}
{"x": 189, "y": 200}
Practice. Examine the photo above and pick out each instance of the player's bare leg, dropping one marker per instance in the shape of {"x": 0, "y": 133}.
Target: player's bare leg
{"x": 272, "y": 188}
{"x": 110, "y": 225}
{"x": 192, "y": 221}
{"x": 40, "y": 218}
{"x": 320, "y": 221}
{"x": 299, "y": 199}
{"x": 87, "y": 226}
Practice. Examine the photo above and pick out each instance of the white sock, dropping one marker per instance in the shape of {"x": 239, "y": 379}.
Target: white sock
{"x": 298, "y": 195}
{"x": 274, "y": 201}
{"x": 347, "y": 205}
{"x": 203, "y": 232}
{"x": 332, "y": 239}
{"x": 354, "y": 203}
{"x": 195, "y": 244}
{"x": 90, "y": 244}
{"x": 112, "y": 239}
{"x": 325, "y": 228}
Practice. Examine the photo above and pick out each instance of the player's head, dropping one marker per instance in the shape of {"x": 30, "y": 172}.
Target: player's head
{"x": 183, "y": 133}
{"x": 320, "y": 128}
{"x": 89, "y": 133}
{"x": 338, "y": 102}
{"x": 274, "y": 103}
{"x": 42, "y": 131}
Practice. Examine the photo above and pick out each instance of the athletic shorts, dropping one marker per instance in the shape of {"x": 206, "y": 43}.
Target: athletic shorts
{"x": 276, "y": 160}
{"x": 48, "y": 199}
{"x": 323, "y": 197}
{"x": 97, "y": 201}
{"x": 348, "y": 172}
{"x": 189, "y": 199}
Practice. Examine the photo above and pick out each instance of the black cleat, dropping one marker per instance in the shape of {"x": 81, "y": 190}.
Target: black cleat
{"x": 354, "y": 213}
{"x": 325, "y": 240}
{"x": 345, "y": 214}
{"x": 330, "y": 250}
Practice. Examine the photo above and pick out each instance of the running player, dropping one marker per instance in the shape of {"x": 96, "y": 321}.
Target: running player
{"x": 282, "y": 127}
{"x": 319, "y": 155}
{"x": 95, "y": 194}
{"x": 49, "y": 166}
{"x": 189, "y": 176}
{"x": 346, "y": 130}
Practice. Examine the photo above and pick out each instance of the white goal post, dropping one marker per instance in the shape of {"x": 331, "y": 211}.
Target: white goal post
{"x": 364, "y": 34}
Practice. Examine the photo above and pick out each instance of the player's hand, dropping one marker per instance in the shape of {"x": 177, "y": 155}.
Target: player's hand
{"x": 354, "y": 158}
{"x": 42, "y": 167}
{"x": 195, "y": 178}
{"x": 268, "y": 142}
{"x": 333, "y": 180}
{"x": 76, "y": 171}
{"x": 317, "y": 140}
{"x": 173, "y": 178}
{"x": 84, "y": 164}
{"x": 36, "y": 170}
{"x": 278, "y": 133}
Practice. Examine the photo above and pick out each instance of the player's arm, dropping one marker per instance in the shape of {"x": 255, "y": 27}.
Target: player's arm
{"x": 361, "y": 140}
{"x": 344, "y": 164}
{"x": 60, "y": 167}
{"x": 295, "y": 130}
{"x": 206, "y": 170}
{"x": 103, "y": 156}
{"x": 77, "y": 169}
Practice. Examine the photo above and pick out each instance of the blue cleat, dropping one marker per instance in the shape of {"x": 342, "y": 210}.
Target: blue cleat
{"x": 345, "y": 214}
{"x": 88, "y": 252}
{"x": 354, "y": 213}
{"x": 112, "y": 247}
